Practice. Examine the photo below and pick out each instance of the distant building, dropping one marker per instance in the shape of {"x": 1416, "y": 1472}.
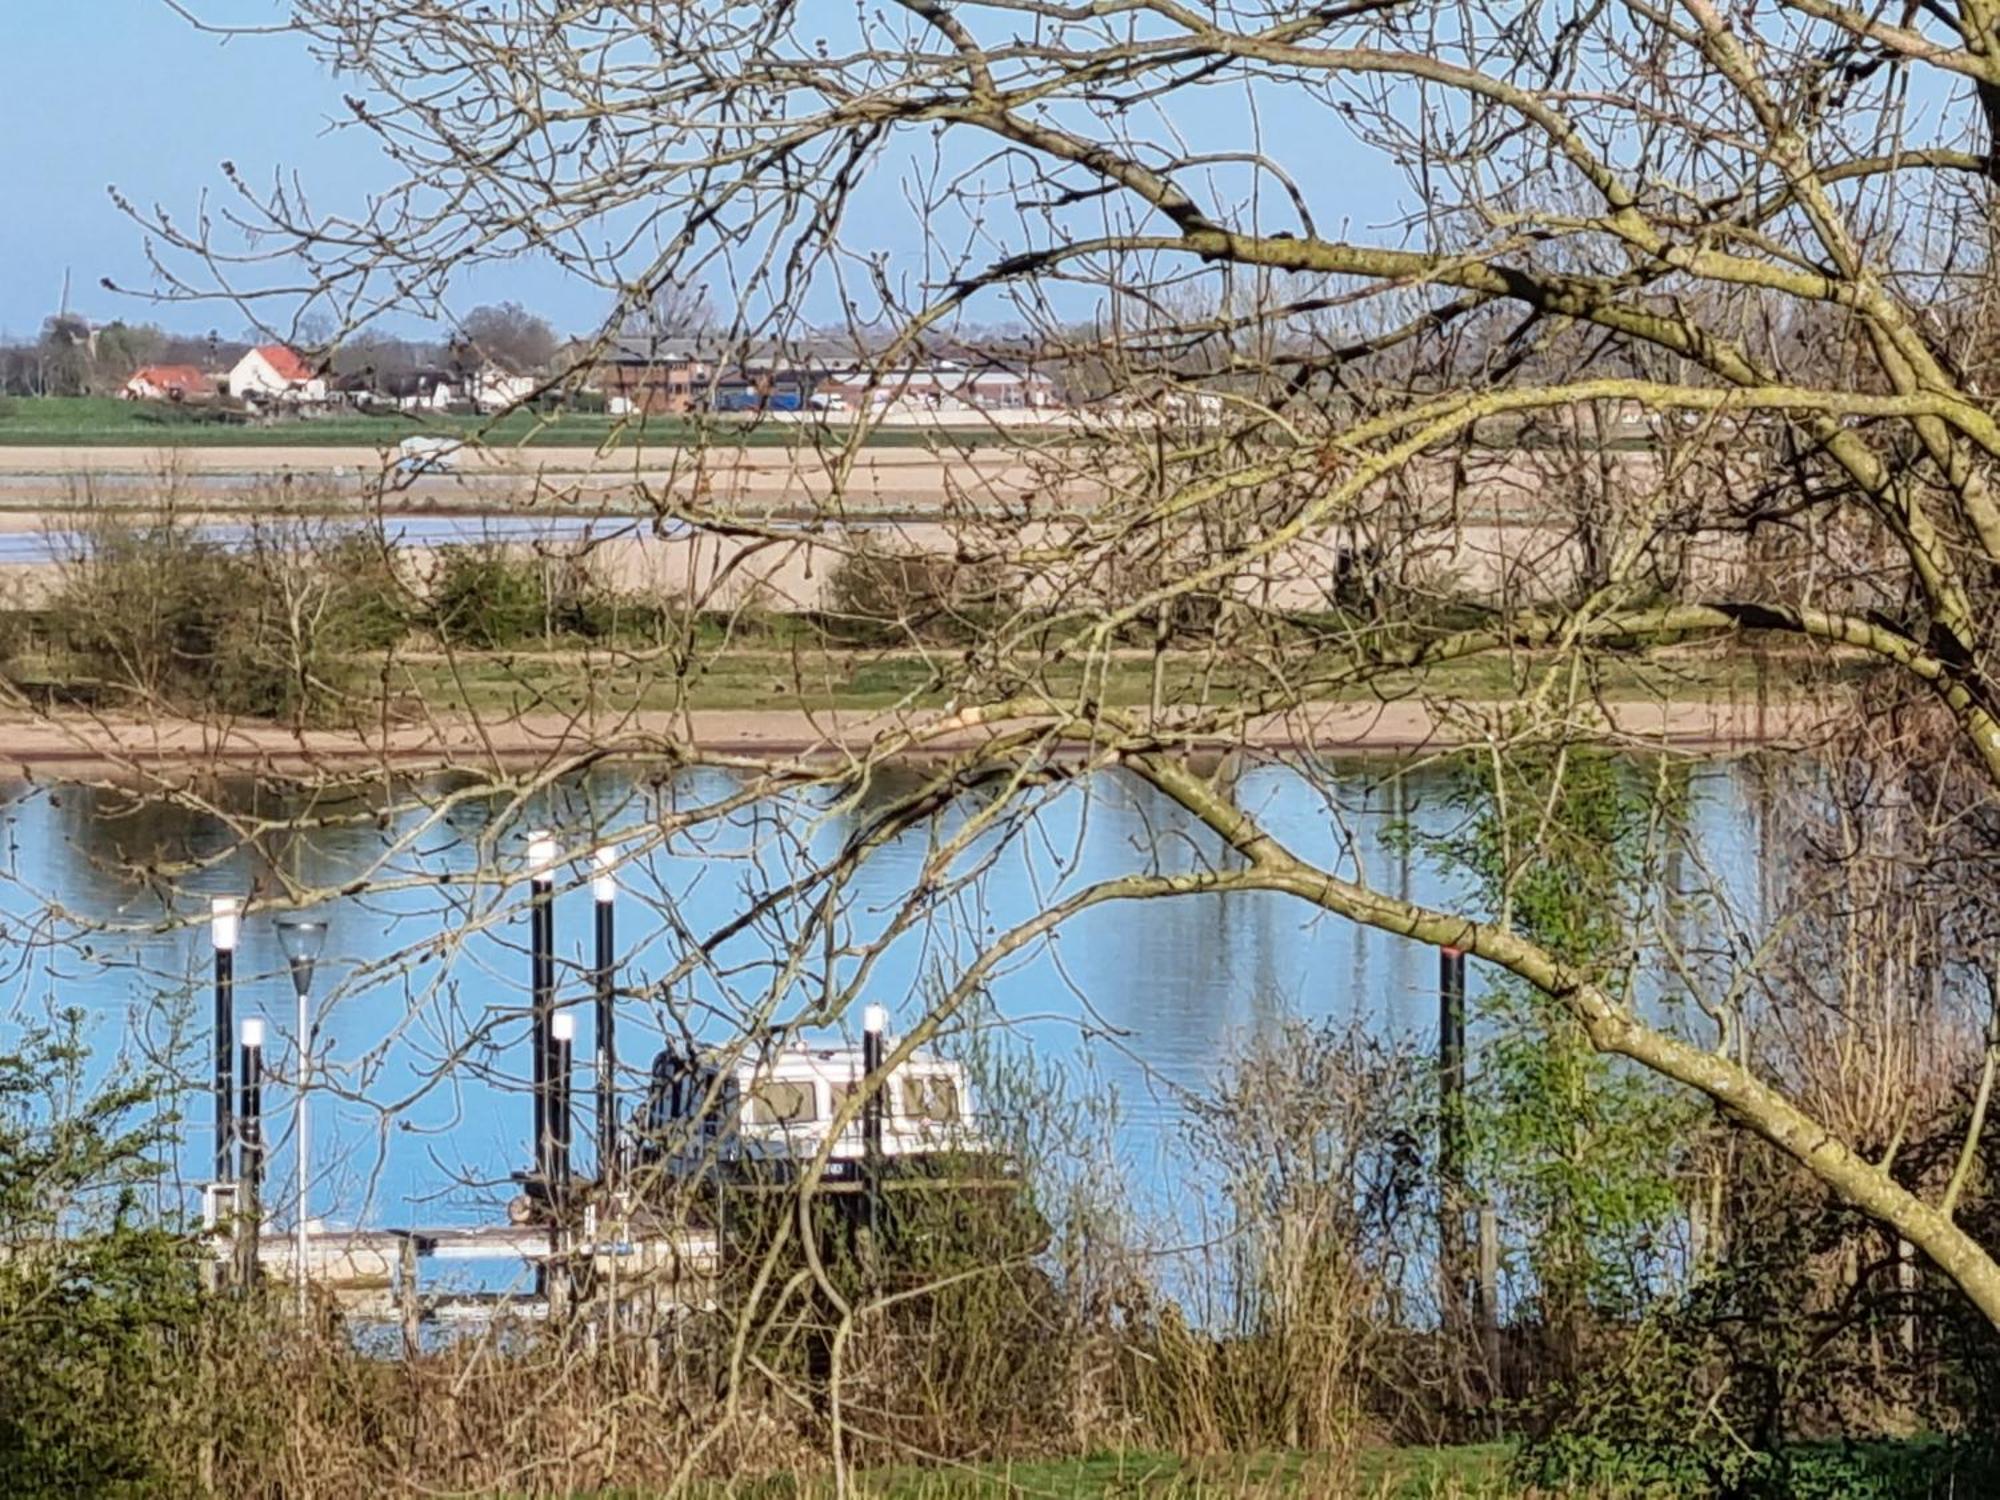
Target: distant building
{"x": 654, "y": 375}
{"x": 169, "y": 383}
{"x": 645, "y": 374}
{"x": 420, "y": 390}
{"x": 492, "y": 389}
{"x": 942, "y": 386}
{"x": 272, "y": 372}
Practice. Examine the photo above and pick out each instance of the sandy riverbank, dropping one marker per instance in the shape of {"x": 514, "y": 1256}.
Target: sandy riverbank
{"x": 75, "y": 746}
{"x": 760, "y": 480}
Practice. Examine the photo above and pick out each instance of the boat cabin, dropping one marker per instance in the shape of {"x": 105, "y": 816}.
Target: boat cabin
{"x": 781, "y": 1104}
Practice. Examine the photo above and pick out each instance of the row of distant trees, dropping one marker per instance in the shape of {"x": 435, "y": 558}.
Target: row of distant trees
{"x": 73, "y": 356}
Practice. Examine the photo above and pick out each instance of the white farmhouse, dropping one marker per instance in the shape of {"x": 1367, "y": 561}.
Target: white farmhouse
{"x": 272, "y": 372}
{"x": 493, "y": 389}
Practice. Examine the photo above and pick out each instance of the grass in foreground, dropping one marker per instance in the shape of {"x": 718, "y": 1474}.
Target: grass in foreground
{"x": 1919, "y": 1468}
{"x": 1461, "y": 1473}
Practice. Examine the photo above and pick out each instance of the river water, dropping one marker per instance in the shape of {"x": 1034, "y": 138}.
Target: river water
{"x": 421, "y": 1052}
{"x": 56, "y": 544}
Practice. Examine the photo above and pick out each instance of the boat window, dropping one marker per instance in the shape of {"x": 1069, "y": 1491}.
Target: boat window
{"x": 680, "y": 1090}
{"x": 842, "y": 1092}
{"x": 779, "y": 1103}
{"x": 930, "y": 1096}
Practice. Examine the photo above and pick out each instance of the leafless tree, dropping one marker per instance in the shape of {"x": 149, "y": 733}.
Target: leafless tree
{"x": 508, "y": 334}
{"x": 1726, "y": 232}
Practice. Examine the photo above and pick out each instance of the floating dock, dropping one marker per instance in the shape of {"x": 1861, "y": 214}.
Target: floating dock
{"x": 377, "y": 1274}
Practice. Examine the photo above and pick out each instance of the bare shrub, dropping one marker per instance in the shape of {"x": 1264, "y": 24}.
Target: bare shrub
{"x": 1313, "y": 1134}
{"x": 164, "y": 610}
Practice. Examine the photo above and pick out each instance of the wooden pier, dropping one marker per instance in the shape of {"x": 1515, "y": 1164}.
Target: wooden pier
{"x": 377, "y": 1274}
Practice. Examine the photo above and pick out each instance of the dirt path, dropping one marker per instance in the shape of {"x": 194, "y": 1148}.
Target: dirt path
{"x": 78, "y": 746}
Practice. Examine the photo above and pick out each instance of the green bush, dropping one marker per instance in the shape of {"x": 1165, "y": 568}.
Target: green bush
{"x": 485, "y": 599}
{"x": 94, "y": 1300}
{"x": 1677, "y": 1470}
{"x": 160, "y": 612}
{"x": 165, "y": 613}
{"x": 489, "y": 599}
{"x": 367, "y": 607}
{"x": 889, "y": 594}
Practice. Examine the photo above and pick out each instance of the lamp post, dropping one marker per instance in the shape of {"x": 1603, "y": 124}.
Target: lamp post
{"x": 224, "y": 927}
{"x": 542, "y": 987}
{"x": 556, "y": 1284}
{"x": 562, "y": 1036}
{"x": 604, "y": 892}
{"x": 250, "y": 1131}
{"x": 301, "y": 938}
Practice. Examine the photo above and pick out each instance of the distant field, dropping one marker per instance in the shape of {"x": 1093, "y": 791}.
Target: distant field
{"x": 104, "y": 422}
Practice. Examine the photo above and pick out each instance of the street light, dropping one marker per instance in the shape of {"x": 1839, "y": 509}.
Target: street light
{"x": 225, "y": 925}
{"x": 542, "y": 856}
{"x": 604, "y": 893}
{"x": 302, "y": 938}
{"x": 250, "y": 1132}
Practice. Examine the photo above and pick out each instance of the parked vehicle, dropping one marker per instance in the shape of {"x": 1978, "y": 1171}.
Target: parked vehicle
{"x": 428, "y": 454}
{"x": 785, "y": 398}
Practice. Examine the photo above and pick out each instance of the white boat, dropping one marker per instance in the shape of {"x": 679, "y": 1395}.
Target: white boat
{"x": 745, "y": 1110}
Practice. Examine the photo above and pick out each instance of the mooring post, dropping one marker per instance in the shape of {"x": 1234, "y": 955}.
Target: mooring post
{"x": 541, "y": 987}
{"x": 604, "y": 891}
{"x": 562, "y": 1040}
{"x": 225, "y": 924}
{"x": 250, "y": 1136}
{"x": 874, "y": 1021}
{"x": 1489, "y": 1294}
{"x": 407, "y": 1305}
{"x": 562, "y": 1037}
{"x": 1451, "y": 1124}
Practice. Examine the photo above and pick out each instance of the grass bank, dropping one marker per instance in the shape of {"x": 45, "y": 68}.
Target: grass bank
{"x": 1922, "y": 1468}
{"x": 827, "y": 677}
{"x": 1477, "y": 1472}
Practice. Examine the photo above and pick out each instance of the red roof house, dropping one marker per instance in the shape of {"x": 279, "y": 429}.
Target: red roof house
{"x": 275, "y": 372}
{"x": 168, "y": 383}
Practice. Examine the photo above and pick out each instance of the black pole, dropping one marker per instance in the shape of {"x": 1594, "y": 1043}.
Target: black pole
{"x": 250, "y": 1130}
{"x": 1451, "y": 1117}
{"x": 607, "y": 1024}
{"x": 223, "y": 931}
{"x": 871, "y": 1116}
{"x": 554, "y": 1278}
{"x": 561, "y": 1114}
{"x": 541, "y": 986}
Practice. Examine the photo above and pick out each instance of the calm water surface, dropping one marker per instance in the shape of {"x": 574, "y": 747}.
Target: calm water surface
{"x": 423, "y": 1043}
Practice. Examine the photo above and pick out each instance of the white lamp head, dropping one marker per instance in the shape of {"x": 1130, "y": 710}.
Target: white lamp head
{"x": 253, "y": 1031}
{"x": 541, "y": 856}
{"x": 874, "y": 1019}
{"x": 301, "y": 937}
{"x": 225, "y": 922}
{"x": 604, "y": 880}
{"x": 562, "y": 1026}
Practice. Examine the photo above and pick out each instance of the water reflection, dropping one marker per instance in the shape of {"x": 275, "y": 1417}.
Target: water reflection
{"x": 423, "y": 1022}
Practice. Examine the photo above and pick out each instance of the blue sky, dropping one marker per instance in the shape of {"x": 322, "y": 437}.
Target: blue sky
{"x": 125, "y": 92}
{"x": 97, "y": 92}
